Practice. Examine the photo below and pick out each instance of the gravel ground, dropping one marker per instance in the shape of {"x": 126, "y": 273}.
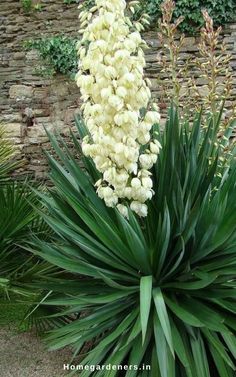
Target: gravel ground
{"x": 24, "y": 355}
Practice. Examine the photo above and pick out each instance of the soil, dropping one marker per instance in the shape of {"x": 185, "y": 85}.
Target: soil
{"x": 25, "y": 355}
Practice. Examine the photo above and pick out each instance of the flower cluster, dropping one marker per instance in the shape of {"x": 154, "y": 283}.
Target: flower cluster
{"x": 113, "y": 88}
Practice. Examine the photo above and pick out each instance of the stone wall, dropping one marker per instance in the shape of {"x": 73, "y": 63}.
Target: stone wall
{"x": 28, "y": 102}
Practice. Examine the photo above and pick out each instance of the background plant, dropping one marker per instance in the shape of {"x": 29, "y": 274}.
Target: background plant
{"x": 211, "y": 64}
{"x": 58, "y": 53}
{"x": 169, "y": 55}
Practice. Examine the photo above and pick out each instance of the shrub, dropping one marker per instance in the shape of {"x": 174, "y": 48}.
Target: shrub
{"x": 158, "y": 290}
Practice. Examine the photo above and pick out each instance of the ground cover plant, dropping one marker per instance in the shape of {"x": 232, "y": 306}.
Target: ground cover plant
{"x": 150, "y": 278}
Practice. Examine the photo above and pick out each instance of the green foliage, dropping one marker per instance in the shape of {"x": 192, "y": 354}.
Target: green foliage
{"x": 152, "y": 8}
{"x": 158, "y": 290}
{"x": 58, "y": 52}
{"x": 26, "y": 5}
{"x": 221, "y": 11}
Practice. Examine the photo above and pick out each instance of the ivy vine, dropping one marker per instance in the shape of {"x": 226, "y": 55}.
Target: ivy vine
{"x": 58, "y": 53}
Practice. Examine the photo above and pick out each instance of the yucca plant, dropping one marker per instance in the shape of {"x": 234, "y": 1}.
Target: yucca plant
{"x": 157, "y": 291}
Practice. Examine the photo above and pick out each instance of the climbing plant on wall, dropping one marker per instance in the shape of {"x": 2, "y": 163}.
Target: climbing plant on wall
{"x": 221, "y": 11}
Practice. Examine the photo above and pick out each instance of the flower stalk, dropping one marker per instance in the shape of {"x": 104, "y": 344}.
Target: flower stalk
{"x": 117, "y": 106}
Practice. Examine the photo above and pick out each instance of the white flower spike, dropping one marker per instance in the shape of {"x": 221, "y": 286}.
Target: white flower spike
{"x": 113, "y": 88}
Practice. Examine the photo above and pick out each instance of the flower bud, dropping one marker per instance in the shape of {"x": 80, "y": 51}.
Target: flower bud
{"x": 140, "y": 209}
{"x": 136, "y": 183}
{"x": 123, "y": 210}
{"x": 147, "y": 183}
{"x": 155, "y": 147}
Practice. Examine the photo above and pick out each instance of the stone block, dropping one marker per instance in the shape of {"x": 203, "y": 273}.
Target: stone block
{"x": 69, "y": 116}
{"x": 20, "y": 92}
{"x": 14, "y": 129}
{"x": 19, "y": 55}
{"x": 189, "y": 42}
{"x": 200, "y": 81}
{"x": 32, "y": 55}
{"x": 203, "y": 90}
{"x": 36, "y": 132}
{"x": 41, "y": 174}
{"x": 12, "y": 117}
{"x": 60, "y": 89}
{"x": 230, "y": 39}
{"x": 40, "y": 93}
